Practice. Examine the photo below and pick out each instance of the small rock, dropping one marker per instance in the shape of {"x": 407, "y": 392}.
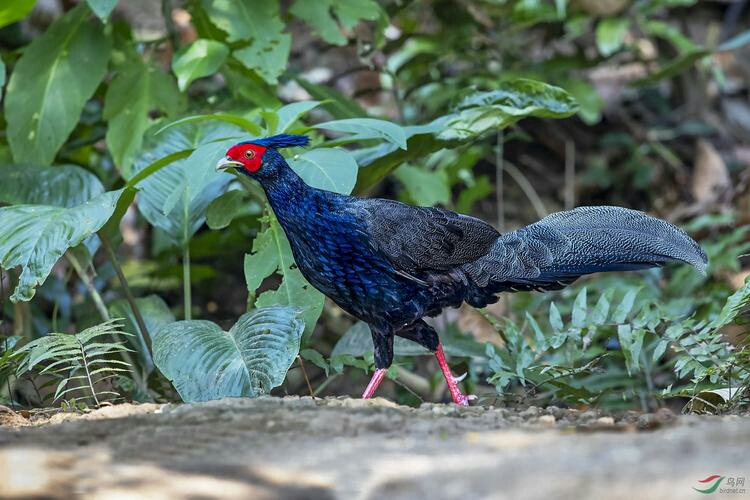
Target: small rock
{"x": 531, "y": 411}
{"x": 547, "y": 420}
{"x": 605, "y": 421}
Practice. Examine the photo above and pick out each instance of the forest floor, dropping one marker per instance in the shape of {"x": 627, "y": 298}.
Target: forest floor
{"x": 348, "y": 448}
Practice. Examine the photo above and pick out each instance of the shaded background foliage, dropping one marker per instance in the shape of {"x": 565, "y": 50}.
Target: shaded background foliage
{"x": 114, "y": 114}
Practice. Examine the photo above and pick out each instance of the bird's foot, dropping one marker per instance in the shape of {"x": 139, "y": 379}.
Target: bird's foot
{"x": 461, "y": 399}
{"x": 377, "y": 377}
{"x": 458, "y": 397}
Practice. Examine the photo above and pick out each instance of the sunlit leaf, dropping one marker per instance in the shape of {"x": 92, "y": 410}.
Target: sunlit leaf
{"x": 200, "y": 58}
{"x": 14, "y": 10}
{"x": 51, "y": 82}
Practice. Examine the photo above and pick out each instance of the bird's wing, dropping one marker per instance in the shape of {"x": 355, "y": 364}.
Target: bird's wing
{"x": 417, "y": 239}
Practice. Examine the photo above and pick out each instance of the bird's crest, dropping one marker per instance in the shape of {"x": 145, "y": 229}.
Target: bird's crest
{"x": 281, "y": 141}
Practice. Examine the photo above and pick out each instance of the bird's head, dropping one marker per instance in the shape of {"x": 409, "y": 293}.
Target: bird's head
{"x": 259, "y": 158}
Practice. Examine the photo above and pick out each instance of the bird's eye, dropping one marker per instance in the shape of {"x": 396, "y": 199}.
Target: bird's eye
{"x": 249, "y": 154}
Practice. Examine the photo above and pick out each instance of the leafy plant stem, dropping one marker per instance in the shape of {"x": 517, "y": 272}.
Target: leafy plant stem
{"x": 21, "y": 312}
{"x": 88, "y": 282}
{"x": 188, "y": 301}
{"x": 128, "y": 293}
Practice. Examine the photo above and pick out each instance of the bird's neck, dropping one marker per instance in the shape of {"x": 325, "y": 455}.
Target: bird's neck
{"x": 290, "y": 198}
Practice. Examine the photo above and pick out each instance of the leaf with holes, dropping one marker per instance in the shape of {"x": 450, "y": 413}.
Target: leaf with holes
{"x": 320, "y": 15}
{"x": 204, "y": 362}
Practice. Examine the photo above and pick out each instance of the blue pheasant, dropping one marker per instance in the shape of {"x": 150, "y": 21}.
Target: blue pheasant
{"x": 391, "y": 264}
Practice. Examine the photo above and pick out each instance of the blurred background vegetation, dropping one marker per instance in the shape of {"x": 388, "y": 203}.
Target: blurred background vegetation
{"x": 419, "y": 101}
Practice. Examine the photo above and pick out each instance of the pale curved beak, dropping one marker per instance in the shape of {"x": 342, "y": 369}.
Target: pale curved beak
{"x": 227, "y": 163}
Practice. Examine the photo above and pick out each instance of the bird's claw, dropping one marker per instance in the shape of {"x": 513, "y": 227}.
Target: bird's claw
{"x": 463, "y": 400}
{"x": 459, "y": 378}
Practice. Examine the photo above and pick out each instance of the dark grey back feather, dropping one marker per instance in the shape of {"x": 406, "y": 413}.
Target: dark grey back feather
{"x": 425, "y": 239}
{"x": 565, "y": 245}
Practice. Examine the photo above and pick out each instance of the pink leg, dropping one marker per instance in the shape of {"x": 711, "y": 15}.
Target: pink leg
{"x": 452, "y": 381}
{"x": 377, "y": 377}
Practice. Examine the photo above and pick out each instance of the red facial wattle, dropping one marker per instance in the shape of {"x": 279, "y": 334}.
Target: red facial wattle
{"x": 250, "y": 155}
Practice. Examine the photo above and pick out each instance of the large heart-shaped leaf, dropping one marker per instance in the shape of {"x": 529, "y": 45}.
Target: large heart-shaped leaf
{"x": 176, "y": 197}
{"x": 272, "y": 254}
{"x": 204, "y": 362}
{"x": 36, "y": 236}
{"x": 102, "y": 8}
{"x": 332, "y": 169}
{"x": 61, "y": 186}
{"x": 57, "y": 73}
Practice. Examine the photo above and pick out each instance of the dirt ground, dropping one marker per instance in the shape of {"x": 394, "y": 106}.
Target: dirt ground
{"x": 347, "y": 448}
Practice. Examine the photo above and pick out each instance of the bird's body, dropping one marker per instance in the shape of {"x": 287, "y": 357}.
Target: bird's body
{"x": 391, "y": 264}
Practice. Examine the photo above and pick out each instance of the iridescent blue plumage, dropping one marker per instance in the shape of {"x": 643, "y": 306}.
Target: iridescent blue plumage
{"x": 392, "y": 264}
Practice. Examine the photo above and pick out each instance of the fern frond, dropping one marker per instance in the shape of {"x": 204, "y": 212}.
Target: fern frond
{"x": 80, "y": 360}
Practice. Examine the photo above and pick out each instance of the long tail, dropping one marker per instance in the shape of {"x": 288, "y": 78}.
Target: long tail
{"x": 563, "y": 246}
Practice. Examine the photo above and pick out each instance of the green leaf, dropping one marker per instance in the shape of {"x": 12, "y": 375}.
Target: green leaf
{"x": 320, "y": 15}
{"x": 259, "y": 24}
{"x": 332, "y": 169}
{"x": 176, "y": 197}
{"x": 224, "y": 209}
{"x": 268, "y": 60}
{"x": 60, "y": 186}
{"x": 601, "y": 309}
{"x": 622, "y": 311}
{"x": 555, "y": 320}
{"x": 289, "y": 114}
{"x": 735, "y": 304}
{"x": 14, "y": 10}
{"x": 2, "y": 75}
{"x": 57, "y": 73}
{"x": 204, "y": 362}
{"x": 200, "y": 58}
{"x": 578, "y": 319}
{"x": 610, "y": 34}
{"x": 659, "y": 350}
{"x": 425, "y": 187}
{"x": 497, "y": 109}
{"x": 272, "y": 254}
{"x": 155, "y": 314}
{"x": 42, "y": 234}
{"x": 368, "y": 128}
{"x": 631, "y": 342}
{"x": 102, "y": 8}
{"x": 133, "y": 94}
